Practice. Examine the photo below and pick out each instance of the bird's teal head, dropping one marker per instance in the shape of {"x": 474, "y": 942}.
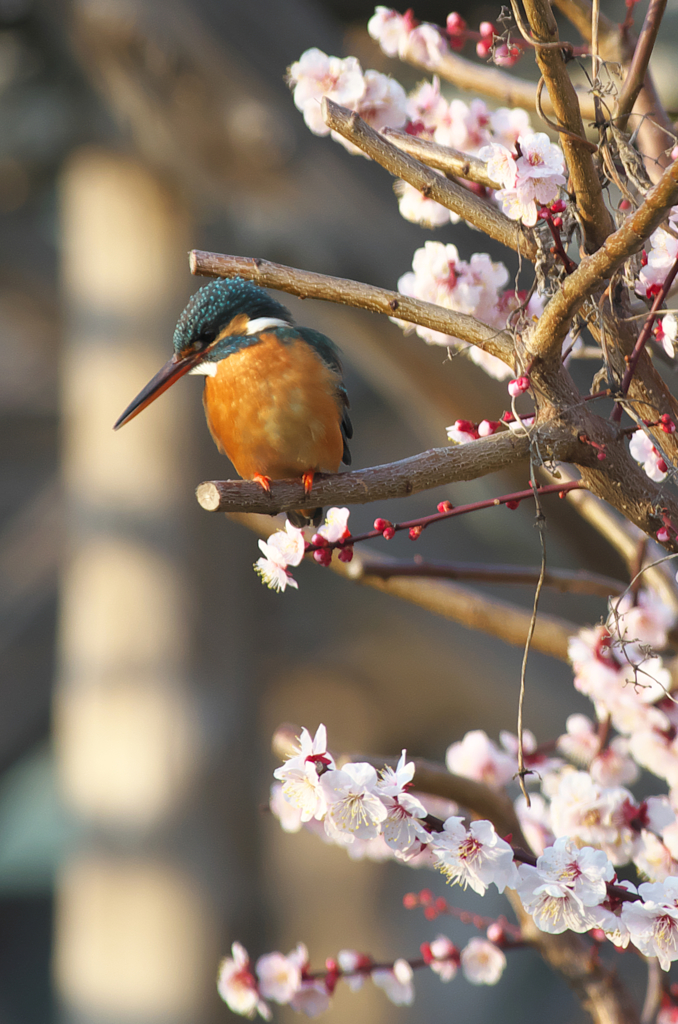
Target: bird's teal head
{"x": 220, "y": 318}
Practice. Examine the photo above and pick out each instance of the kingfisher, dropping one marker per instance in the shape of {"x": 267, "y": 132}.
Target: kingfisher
{"x": 274, "y": 396}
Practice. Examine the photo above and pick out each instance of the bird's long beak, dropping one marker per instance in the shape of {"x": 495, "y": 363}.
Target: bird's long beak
{"x": 173, "y": 369}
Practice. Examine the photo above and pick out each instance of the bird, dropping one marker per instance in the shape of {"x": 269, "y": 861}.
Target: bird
{"x": 274, "y": 396}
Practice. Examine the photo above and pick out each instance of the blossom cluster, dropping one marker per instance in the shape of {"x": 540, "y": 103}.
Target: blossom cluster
{"x": 528, "y": 181}
{"x": 287, "y": 547}
{"x": 287, "y": 980}
{"x": 473, "y": 287}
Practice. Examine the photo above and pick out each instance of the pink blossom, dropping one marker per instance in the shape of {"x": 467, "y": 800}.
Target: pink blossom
{"x": 237, "y": 986}
{"x": 653, "y": 859}
{"x": 287, "y": 814}
{"x": 613, "y": 766}
{"x": 644, "y": 452}
{"x": 581, "y": 742}
{"x": 535, "y": 821}
{"x": 477, "y": 757}
{"x": 482, "y": 962}
{"x": 316, "y": 75}
{"x": 426, "y": 45}
{"x": 501, "y": 164}
{"x": 335, "y": 527}
{"x": 354, "y": 808}
{"x": 397, "y": 982}
{"x": 391, "y": 30}
{"x": 653, "y": 923}
{"x": 565, "y": 883}
{"x": 426, "y": 105}
{"x": 477, "y": 857}
{"x": 417, "y": 208}
{"x": 350, "y": 963}
{"x": 280, "y": 976}
{"x": 518, "y": 386}
{"x": 445, "y": 957}
{"x": 311, "y": 998}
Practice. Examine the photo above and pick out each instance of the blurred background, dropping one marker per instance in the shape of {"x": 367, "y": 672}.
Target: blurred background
{"x": 144, "y": 667}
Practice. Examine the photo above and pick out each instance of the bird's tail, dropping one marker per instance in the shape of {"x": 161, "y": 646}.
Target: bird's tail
{"x": 305, "y": 517}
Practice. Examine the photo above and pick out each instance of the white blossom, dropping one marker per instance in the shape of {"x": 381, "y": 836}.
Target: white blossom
{"x": 476, "y": 857}
{"x": 354, "y": 809}
{"x": 237, "y": 986}
{"x": 397, "y": 982}
{"x": 482, "y": 962}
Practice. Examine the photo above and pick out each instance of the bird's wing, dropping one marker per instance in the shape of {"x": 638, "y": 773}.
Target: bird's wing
{"x": 329, "y": 354}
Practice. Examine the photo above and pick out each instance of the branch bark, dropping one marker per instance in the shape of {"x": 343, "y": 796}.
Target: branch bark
{"x": 490, "y": 81}
{"x": 307, "y": 285}
{"x": 547, "y": 338}
{"x": 595, "y": 217}
{"x": 564, "y": 580}
{"x": 640, "y": 62}
{"x": 450, "y": 195}
{"x": 422, "y": 472}
{"x": 443, "y": 158}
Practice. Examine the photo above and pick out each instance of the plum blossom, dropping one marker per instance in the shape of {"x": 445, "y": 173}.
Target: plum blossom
{"x": 476, "y": 858}
{"x": 316, "y": 75}
{"x": 280, "y": 976}
{"x": 534, "y": 177}
{"x": 477, "y": 757}
{"x": 402, "y": 829}
{"x": 283, "y": 548}
{"x": 287, "y": 814}
{"x": 419, "y": 209}
{"x": 564, "y": 885}
{"x": 397, "y": 982}
{"x": 644, "y": 452}
{"x": 653, "y": 923}
{"x": 354, "y": 809}
{"x": 444, "y": 957}
{"x": 669, "y": 334}
{"x": 379, "y": 99}
{"x": 351, "y": 963}
{"x": 237, "y": 985}
{"x": 653, "y": 858}
{"x": 661, "y": 255}
{"x": 301, "y": 780}
{"x": 335, "y": 527}
{"x": 535, "y": 821}
{"x": 482, "y": 962}
{"x": 311, "y": 998}
{"x": 580, "y": 742}
{"x": 391, "y": 30}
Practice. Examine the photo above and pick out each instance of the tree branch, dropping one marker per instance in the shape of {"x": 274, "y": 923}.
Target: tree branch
{"x": 422, "y": 472}
{"x": 468, "y": 607}
{"x": 306, "y": 284}
{"x": 564, "y": 580}
{"x": 443, "y": 158}
{"x": 450, "y": 195}
{"x": 547, "y": 338}
{"x": 596, "y": 220}
{"x": 490, "y": 81}
{"x": 640, "y": 62}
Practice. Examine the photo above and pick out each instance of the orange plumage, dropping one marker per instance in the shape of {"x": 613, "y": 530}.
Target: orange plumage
{"x": 274, "y": 409}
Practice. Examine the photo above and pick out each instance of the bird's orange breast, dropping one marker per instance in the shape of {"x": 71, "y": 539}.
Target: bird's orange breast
{"x": 273, "y": 408}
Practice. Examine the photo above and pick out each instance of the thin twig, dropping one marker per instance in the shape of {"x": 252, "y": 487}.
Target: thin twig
{"x": 308, "y": 285}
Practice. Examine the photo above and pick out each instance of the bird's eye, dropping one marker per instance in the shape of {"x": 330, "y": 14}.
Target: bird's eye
{"x": 208, "y": 335}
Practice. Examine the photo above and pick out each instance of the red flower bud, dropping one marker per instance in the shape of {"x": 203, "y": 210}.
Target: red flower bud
{"x": 381, "y": 524}
{"x": 512, "y": 504}
{"x": 415, "y": 531}
{"x": 410, "y": 900}
{"x": 346, "y": 554}
{"x": 445, "y": 506}
{"x": 388, "y": 533}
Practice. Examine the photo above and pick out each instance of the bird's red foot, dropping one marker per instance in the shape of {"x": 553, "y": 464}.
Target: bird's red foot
{"x": 265, "y": 481}
{"x": 308, "y": 480}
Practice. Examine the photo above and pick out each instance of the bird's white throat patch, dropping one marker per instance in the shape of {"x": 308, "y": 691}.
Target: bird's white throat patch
{"x": 207, "y": 369}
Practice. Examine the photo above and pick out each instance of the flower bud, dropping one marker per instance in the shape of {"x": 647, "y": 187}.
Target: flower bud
{"x": 415, "y": 531}
{"x": 518, "y": 386}
{"x": 445, "y": 506}
{"x": 388, "y": 533}
{"x": 346, "y": 554}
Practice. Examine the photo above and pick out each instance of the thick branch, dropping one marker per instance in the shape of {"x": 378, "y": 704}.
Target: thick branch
{"x": 308, "y": 285}
{"x": 443, "y": 158}
{"x": 564, "y": 580}
{"x": 490, "y": 81}
{"x": 422, "y": 472}
{"x": 464, "y": 605}
{"x": 546, "y": 341}
{"x": 450, "y": 195}
{"x": 640, "y": 62}
{"x": 595, "y": 217}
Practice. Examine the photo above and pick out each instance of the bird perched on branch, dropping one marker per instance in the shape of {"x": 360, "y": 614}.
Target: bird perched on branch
{"x": 274, "y": 397}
